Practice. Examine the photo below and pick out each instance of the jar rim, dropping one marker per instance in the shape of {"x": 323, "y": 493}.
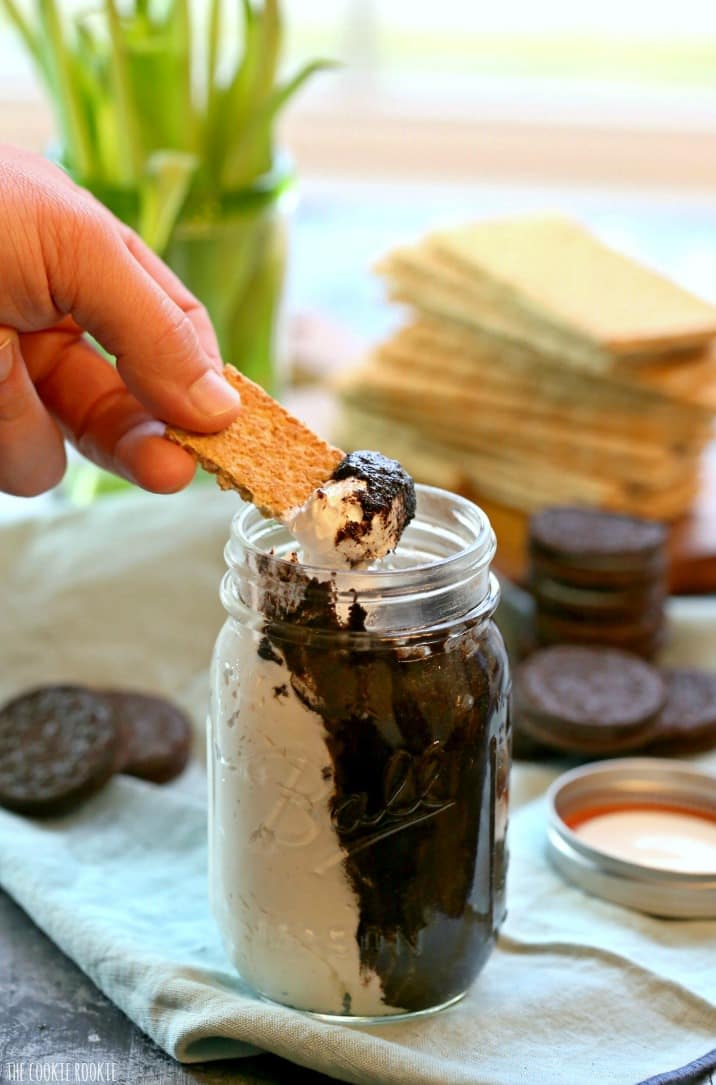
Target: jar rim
{"x": 401, "y": 595}
{"x": 478, "y": 552}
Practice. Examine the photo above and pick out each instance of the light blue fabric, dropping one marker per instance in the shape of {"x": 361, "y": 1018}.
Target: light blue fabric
{"x": 578, "y": 990}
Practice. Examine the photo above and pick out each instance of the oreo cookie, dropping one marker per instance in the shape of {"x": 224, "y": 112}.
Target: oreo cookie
{"x": 598, "y": 578}
{"x": 687, "y": 722}
{"x": 156, "y": 735}
{"x": 602, "y": 577}
{"x": 587, "y": 700}
{"x": 597, "y": 541}
{"x": 58, "y": 745}
{"x": 643, "y": 636}
{"x": 598, "y": 604}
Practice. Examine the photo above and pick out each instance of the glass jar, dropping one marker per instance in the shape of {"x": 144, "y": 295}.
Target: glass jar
{"x": 359, "y": 761}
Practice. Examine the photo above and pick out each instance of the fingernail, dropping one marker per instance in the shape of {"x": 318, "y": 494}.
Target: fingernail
{"x": 8, "y": 354}
{"x": 212, "y": 394}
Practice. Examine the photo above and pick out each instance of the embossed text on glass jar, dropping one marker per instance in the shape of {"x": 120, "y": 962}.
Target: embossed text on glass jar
{"x": 358, "y": 752}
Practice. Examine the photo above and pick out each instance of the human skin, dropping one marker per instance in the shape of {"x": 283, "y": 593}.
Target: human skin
{"x": 67, "y": 267}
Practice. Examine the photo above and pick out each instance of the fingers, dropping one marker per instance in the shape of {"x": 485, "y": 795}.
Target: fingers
{"x": 165, "y": 349}
{"x": 32, "y": 452}
{"x": 64, "y": 255}
{"x": 176, "y": 290}
{"x": 99, "y": 415}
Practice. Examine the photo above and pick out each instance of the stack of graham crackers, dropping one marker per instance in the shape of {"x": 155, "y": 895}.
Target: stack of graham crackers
{"x": 540, "y": 367}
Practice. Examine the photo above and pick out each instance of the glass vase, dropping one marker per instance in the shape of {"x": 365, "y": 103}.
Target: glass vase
{"x": 235, "y": 264}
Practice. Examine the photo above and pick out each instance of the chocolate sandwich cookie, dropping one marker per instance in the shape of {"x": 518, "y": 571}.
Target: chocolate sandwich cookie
{"x": 586, "y": 700}
{"x": 156, "y": 735}
{"x": 590, "y": 548}
{"x": 58, "y": 745}
{"x": 687, "y": 722}
{"x": 598, "y": 604}
{"x": 602, "y": 539}
{"x": 603, "y": 577}
{"x": 643, "y": 637}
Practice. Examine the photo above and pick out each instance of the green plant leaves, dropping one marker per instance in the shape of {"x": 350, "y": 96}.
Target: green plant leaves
{"x": 60, "y": 68}
{"x": 163, "y": 190}
{"x": 133, "y": 112}
{"x": 251, "y": 155}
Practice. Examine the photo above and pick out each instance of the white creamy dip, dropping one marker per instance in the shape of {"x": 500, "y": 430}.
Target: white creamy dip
{"x": 277, "y": 857}
{"x": 322, "y": 526}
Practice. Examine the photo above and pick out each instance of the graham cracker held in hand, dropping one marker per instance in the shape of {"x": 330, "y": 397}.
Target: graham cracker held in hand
{"x": 271, "y": 458}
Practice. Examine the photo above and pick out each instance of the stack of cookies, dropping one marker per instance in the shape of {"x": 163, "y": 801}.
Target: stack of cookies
{"x": 540, "y": 367}
{"x": 590, "y": 702}
{"x": 599, "y": 586}
{"x": 598, "y": 578}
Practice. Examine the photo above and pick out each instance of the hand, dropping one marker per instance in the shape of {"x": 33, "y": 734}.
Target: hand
{"x": 67, "y": 266}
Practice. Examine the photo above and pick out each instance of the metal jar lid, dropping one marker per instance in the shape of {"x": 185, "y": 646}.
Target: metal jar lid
{"x": 620, "y": 785}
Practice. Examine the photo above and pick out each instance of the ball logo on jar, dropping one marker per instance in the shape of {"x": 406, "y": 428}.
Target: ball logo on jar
{"x": 281, "y": 937}
{"x": 302, "y": 787}
{"x": 413, "y": 788}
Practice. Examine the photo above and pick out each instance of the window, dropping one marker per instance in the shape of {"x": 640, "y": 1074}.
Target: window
{"x": 521, "y": 54}
{"x": 608, "y": 90}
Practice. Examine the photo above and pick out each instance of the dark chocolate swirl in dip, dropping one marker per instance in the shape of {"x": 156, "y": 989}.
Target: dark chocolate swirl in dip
{"x": 359, "y": 515}
{"x": 417, "y": 739}
{"x": 388, "y": 484}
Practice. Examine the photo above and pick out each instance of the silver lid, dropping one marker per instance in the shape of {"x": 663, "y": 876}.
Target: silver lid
{"x": 625, "y": 784}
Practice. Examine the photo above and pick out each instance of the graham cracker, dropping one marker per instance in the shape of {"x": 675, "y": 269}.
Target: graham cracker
{"x": 430, "y": 282}
{"x": 560, "y": 273}
{"x": 485, "y": 408}
{"x": 547, "y": 282}
{"x": 535, "y": 395}
{"x": 271, "y": 458}
{"x": 683, "y": 379}
{"x": 500, "y": 473}
{"x": 576, "y": 447}
{"x": 509, "y": 476}
{"x": 540, "y": 367}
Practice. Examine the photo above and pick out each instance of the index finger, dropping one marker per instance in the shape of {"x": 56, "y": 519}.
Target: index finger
{"x": 165, "y": 354}
{"x": 175, "y": 288}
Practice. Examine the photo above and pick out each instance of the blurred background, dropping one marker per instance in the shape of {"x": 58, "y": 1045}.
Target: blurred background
{"x": 453, "y": 109}
{"x": 435, "y": 114}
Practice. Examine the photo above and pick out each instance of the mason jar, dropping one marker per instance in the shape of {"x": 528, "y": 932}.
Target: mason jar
{"x": 358, "y": 762}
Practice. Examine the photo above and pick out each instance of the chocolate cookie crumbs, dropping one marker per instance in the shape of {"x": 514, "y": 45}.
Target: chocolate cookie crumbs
{"x": 385, "y": 481}
{"x": 267, "y": 652}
